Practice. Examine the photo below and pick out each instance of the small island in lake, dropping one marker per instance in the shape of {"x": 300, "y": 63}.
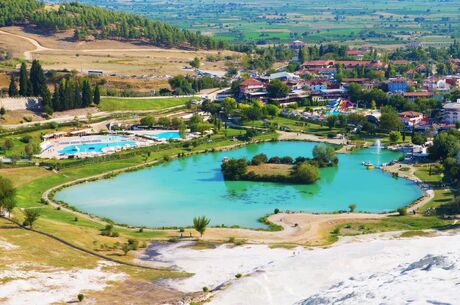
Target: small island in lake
{"x": 280, "y": 169}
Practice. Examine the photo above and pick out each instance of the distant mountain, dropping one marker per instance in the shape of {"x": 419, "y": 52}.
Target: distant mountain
{"x": 92, "y": 22}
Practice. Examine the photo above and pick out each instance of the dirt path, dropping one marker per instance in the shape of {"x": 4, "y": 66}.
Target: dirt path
{"x": 308, "y": 137}
{"x": 35, "y": 43}
{"x": 40, "y": 48}
{"x": 298, "y": 228}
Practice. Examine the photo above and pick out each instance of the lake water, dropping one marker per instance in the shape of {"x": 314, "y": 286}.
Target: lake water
{"x": 173, "y": 193}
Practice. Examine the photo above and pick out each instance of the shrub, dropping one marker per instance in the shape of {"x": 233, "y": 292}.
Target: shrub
{"x": 352, "y": 207}
{"x": 276, "y": 211}
{"x": 205, "y": 289}
{"x": 395, "y": 137}
{"x": 402, "y": 211}
{"x": 80, "y": 297}
{"x": 259, "y": 159}
{"x": 305, "y": 173}
{"x": 238, "y": 275}
{"x": 419, "y": 139}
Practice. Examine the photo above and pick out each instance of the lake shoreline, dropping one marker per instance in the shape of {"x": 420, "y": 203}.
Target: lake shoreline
{"x": 50, "y": 193}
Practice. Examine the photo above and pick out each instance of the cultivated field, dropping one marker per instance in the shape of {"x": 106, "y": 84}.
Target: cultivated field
{"x": 392, "y": 22}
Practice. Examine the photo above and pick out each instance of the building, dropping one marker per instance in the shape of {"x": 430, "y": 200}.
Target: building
{"x": 411, "y": 118}
{"x": 318, "y": 64}
{"x": 451, "y": 113}
{"x": 397, "y": 85}
{"x": 96, "y": 73}
{"x": 356, "y": 54}
{"x": 412, "y": 96}
{"x": 296, "y": 45}
{"x": 252, "y": 88}
{"x": 284, "y": 76}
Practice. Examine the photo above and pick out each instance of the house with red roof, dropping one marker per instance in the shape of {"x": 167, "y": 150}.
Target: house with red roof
{"x": 411, "y": 118}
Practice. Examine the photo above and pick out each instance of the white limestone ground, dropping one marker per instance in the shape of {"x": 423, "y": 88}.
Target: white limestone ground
{"x": 375, "y": 270}
{"x": 5, "y": 246}
{"x": 48, "y": 286}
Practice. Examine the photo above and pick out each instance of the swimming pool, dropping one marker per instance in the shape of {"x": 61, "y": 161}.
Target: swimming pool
{"x": 95, "y": 144}
{"x": 166, "y": 135}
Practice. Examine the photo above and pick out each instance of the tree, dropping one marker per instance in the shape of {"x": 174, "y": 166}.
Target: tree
{"x": 195, "y": 63}
{"x": 272, "y": 110}
{"x": 31, "y": 216}
{"x": 331, "y": 121}
{"x": 325, "y": 155}
{"x": 2, "y": 111}
{"x": 395, "y": 137}
{"x": 23, "y": 80}
{"x": 97, "y": 95}
{"x": 148, "y": 121}
{"x": 305, "y": 173}
{"x": 444, "y": 145}
{"x": 87, "y": 98}
{"x": 233, "y": 169}
{"x": 277, "y": 89}
{"x": 126, "y": 248}
{"x": 390, "y": 119}
{"x": 200, "y": 224}
{"x": 352, "y": 207}
{"x": 303, "y": 56}
{"x": 7, "y": 195}
{"x": 228, "y": 105}
{"x": 259, "y": 159}
{"x": 30, "y": 149}
{"x": 8, "y": 144}
{"x": 80, "y": 297}
{"x": 419, "y": 139}
{"x": 12, "y": 89}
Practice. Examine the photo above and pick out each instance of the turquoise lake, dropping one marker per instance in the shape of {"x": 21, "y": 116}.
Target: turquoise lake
{"x": 173, "y": 193}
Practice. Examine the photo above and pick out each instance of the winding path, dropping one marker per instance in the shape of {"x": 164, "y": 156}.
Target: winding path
{"x": 39, "y": 47}
{"x": 35, "y": 43}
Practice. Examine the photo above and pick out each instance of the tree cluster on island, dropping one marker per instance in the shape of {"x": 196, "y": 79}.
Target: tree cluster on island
{"x": 301, "y": 170}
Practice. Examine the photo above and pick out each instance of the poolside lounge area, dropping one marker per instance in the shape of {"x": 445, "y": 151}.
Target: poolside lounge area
{"x": 65, "y": 146}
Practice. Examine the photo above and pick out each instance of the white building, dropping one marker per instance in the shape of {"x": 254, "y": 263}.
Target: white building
{"x": 451, "y": 112}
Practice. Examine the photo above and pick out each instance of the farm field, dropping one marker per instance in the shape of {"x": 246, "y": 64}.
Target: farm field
{"x": 384, "y": 23}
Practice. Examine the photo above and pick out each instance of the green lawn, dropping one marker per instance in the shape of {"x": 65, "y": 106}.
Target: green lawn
{"x": 440, "y": 197}
{"x": 119, "y": 103}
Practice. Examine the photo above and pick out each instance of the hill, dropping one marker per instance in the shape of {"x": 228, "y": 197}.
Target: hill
{"x": 94, "y": 23}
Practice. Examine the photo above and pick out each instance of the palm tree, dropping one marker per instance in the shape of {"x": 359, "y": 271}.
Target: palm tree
{"x": 200, "y": 224}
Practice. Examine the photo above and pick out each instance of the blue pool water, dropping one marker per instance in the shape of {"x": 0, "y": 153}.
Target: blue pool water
{"x": 95, "y": 144}
{"x": 166, "y": 135}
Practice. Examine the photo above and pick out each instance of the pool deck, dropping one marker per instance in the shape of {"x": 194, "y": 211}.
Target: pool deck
{"x": 51, "y": 148}
{"x": 142, "y": 138}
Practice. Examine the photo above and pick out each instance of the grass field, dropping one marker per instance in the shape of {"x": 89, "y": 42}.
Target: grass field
{"x": 116, "y": 103}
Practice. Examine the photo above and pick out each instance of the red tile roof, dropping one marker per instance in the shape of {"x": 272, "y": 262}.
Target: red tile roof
{"x": 418, "y": 94}
{"x": 410, "y": 114}
{"x": 316, "y": 63}
{"x": 251, "y": 82}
